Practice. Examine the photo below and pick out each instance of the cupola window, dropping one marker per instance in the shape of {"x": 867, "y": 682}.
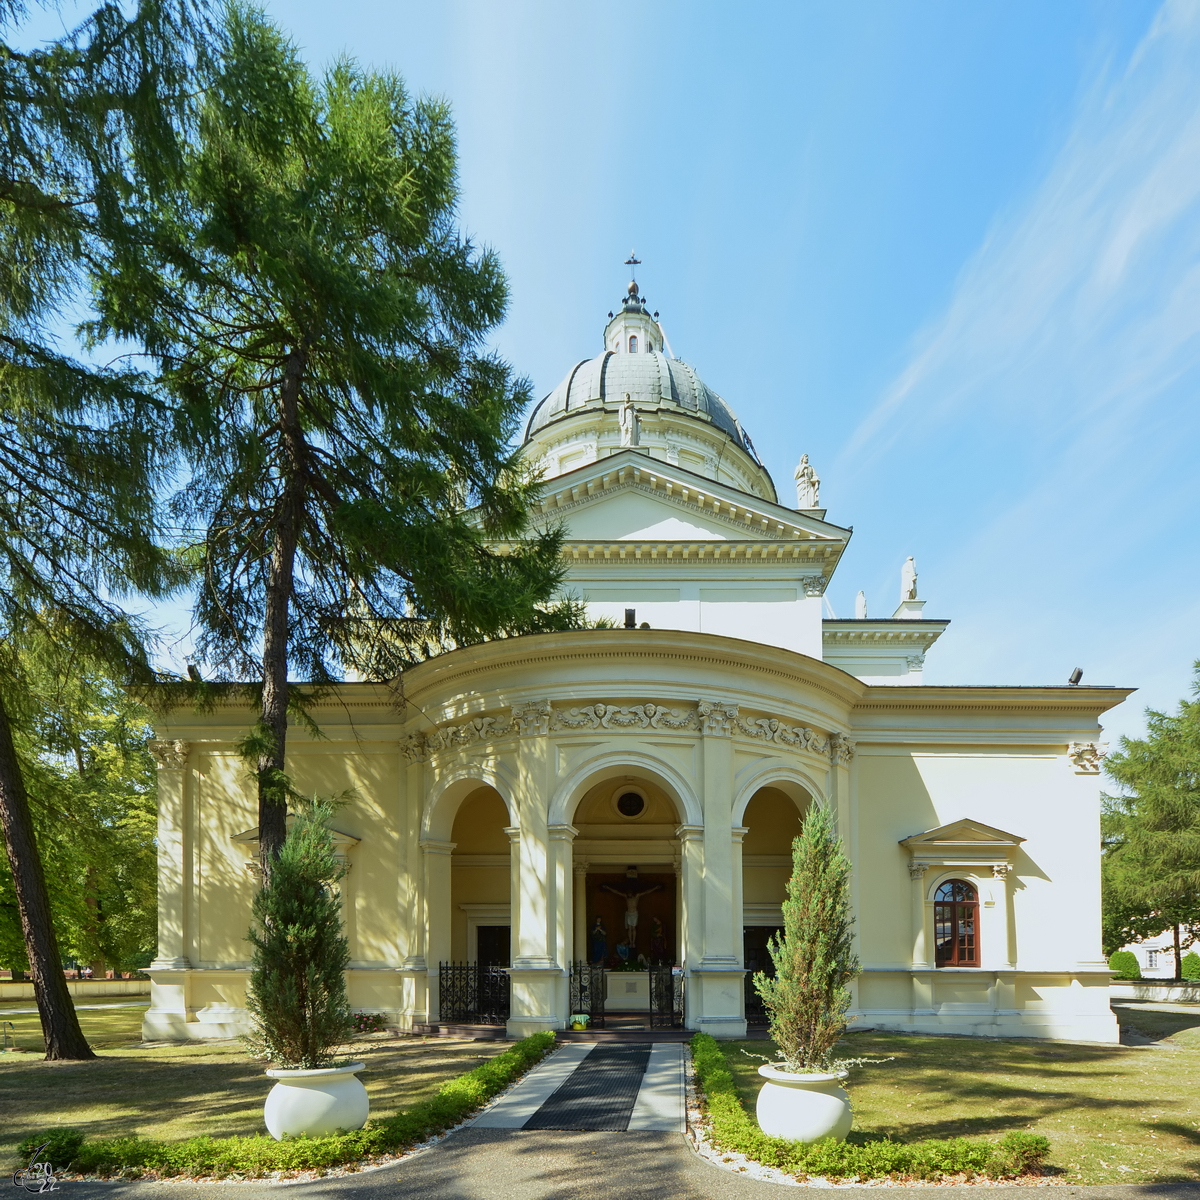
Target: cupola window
{"x": 633, "y": 343}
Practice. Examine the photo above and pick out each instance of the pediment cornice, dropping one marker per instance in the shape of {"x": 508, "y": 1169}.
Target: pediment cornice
{"x": 750, "y": 517}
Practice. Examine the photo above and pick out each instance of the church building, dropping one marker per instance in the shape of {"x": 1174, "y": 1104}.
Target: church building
{"x": 598, "y": 822}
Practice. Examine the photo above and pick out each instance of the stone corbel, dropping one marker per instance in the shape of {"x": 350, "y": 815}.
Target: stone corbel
{"x": 717, "y": 718}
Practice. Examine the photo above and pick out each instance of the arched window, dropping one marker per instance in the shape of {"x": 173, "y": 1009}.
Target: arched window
{"x": 633, "y": 343}
{"x": 956, "y": 924}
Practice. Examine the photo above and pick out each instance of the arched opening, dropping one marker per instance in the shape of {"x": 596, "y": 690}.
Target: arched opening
{"x": 956, "y": 924}
{"x": 772, "y": 821}
{"x": 480, "y": 880}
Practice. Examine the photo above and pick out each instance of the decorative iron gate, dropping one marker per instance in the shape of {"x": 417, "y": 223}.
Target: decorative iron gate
{"x": 756, "y": 1011}
{"x": 588, "y": 992}
{"x": 473, "y": 994}
{"x": 666, "y": 998}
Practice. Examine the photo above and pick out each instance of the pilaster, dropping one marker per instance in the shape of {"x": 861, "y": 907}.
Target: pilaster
{"x": 435, "y": 855}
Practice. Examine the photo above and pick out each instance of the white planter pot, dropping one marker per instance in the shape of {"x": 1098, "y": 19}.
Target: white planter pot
{"x": 316, "y": 1102}
{"x": 803, "y": 1108}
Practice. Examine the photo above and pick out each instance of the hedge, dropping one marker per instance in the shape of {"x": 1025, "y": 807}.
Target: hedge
{"x": 733, "y": 1129}
{"x": 1190, "y": 967}
{"x": 68, "y": 1149}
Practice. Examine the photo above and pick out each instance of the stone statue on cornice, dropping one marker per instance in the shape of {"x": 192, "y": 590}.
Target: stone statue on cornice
{"x": 808, "y": 485}
{"x": 631, "y": 423}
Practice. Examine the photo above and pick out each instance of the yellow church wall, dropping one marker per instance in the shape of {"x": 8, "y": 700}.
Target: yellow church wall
{"x": 224, "y": 885}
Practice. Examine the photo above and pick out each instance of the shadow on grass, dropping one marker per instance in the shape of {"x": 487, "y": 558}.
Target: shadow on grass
{"x": 1158, "y": 1025}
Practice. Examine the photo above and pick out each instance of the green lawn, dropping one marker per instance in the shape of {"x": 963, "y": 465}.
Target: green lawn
{"x": 1119, "y": 1114}
{"x": 179, "y": 1091}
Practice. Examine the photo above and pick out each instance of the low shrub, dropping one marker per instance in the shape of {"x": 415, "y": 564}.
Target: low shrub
{"x": 733, "y": 1129}
{"x": 1189, "y": 968}
{"x": 260, "y": 1155}
{"x": 1125, "y": 963}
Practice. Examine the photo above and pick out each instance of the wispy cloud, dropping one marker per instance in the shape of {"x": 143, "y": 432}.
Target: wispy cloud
{"x": 1052, "y": 406}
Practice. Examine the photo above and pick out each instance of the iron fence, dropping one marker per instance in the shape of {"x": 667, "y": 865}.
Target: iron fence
{"x": 588, "y": 992}
{"x": 666, "y": 998}
{"x": 472, "y": 994}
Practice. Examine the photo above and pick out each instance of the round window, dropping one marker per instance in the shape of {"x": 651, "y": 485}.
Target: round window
{"x": 630, "y": 804}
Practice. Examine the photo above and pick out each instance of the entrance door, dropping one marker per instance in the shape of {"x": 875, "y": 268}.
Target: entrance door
{"x": 494, "y": 946}
{"x": 757, "y": 957}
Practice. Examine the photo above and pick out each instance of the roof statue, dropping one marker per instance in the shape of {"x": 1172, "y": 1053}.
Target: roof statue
{"x": 860, "y": 606}
{"x": 908, "y": 580}
{"x": 808, "y": 485}
{"x": 631, "y": 423}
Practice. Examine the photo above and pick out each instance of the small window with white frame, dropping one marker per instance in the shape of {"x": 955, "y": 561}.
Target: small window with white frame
{"x": 1152, "y": 959}
{"x": 633, "y": 343}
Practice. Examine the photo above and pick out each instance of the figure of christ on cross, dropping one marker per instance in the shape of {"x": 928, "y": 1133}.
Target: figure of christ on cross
{"x": 631, "y": 909}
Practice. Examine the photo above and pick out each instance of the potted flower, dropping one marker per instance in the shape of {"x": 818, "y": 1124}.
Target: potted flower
{"x": 297, "y": 995}
{"x": 802, "y": 1097}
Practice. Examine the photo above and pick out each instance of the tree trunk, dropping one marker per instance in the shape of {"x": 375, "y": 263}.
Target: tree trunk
{"x": 272, "y": 782}
{"x": 60, "y": 1024}
{"x": 1178, "y": 957}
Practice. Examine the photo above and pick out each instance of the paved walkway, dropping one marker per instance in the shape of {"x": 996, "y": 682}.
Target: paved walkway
{"x": 598, "y": 1086}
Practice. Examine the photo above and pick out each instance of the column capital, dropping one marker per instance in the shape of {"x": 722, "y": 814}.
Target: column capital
{"x": 739, "y": 832}
{"x": 170, "y": 754}
{"x": 562, "y": 833}
{"x": 690, "y": 833}
{"x": 514, "y": 834}
{"x": 436, "y": 846}
{"x": 916, "y": 871}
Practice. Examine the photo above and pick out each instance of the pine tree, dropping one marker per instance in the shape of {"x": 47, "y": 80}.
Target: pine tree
{"x": 1152, "y": 832}
{"x": 80, "y": 118}
{"x": 814, "y": 959}
{"x": 297, "y": 995}
{"x": 321, "y": 321}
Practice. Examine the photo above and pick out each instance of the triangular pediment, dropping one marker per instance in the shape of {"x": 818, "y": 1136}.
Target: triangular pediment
{"x": 962, "y": 834}
{"x": 632, "y": 497}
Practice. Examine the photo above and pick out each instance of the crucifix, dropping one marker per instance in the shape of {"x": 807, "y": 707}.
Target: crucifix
{"x": 631, "y": 899}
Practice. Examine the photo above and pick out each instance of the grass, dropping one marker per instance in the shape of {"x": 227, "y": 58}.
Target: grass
{"x": 1113, "y": 1114}
{"x": 172, "y": 1092}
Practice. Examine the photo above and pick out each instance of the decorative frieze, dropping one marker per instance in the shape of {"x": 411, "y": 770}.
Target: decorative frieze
{"x": 170, "y": 755}
{"x": 537, "y": 718}
{"x": 637, "y": 716}
{"x": 1087, "y": 756}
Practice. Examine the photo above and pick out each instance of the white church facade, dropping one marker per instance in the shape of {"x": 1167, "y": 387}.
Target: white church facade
{"x": 626, "y": 797}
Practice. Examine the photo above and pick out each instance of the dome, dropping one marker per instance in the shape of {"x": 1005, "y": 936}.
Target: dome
{"x": 651, "y": 380}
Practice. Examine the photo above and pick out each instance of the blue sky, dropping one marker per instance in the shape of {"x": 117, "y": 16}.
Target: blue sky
{"x": 952, "y": 251}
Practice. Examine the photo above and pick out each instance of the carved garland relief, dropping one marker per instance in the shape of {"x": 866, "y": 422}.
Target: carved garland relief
{"x": 540, "y": 717}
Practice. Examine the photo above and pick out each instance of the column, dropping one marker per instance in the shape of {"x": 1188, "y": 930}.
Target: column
{"x": 1005, "y": 996}
{"x": 435, "y": 856}
{"x": 166, "y": 1018}
{"x": 561, "y": 903}
{"x": 416, "y": 1007}
{"x": 580, "y": 951}
{"x": 922, "y": 968}
{"x": 718, "y": 1002}
{"x": 538, "y": 997}
{"x": 691, "y": 911}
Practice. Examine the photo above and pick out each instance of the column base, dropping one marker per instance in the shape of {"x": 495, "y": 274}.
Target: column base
{"x": 538, "y": 994}
{"x": 715, "y": 1001}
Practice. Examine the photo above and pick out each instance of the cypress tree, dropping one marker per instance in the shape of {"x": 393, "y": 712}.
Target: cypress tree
{"x": 814, "y": 959}
{"x": 297, "y": 994}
